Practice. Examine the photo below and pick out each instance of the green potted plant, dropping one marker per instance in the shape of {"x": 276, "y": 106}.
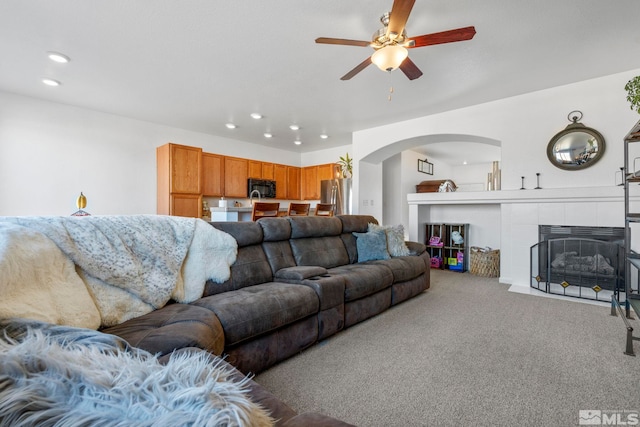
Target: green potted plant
{"x": 633, "y": 93}
{"x": 346, "y": 166}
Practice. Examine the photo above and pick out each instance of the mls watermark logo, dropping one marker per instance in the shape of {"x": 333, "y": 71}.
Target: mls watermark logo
{"x": 590, "y": 417}
{"x": 596, "y": 417}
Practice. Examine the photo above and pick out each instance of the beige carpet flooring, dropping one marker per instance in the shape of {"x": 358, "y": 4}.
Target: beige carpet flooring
{"x": 467, "y": 352}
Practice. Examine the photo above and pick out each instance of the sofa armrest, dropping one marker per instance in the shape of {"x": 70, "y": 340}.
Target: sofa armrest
{"x": 329, "y": 288}
{"x": 416, "y": 248}
{"x": 299, "y": 273}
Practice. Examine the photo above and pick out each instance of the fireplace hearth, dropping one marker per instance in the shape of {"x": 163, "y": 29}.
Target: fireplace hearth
{"x": 578, "y": 261}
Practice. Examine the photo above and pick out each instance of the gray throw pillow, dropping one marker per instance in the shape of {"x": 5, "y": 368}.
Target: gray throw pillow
{"x": 395, "y": 238}
{"x": 371, "y": 245}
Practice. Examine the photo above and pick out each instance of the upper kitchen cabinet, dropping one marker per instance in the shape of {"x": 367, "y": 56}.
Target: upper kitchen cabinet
{"x": 212, "y": 175}
{"x": 255, "y": 169}
{"x": 235, "y": 176}
{"x": 311, "y": 178}
{"x": 179, "y": 169}
{"x": 280, "y": 177}
{"x": 268, "y": 171}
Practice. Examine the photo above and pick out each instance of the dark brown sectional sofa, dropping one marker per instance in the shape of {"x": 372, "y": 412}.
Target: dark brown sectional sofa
{"x": 296, "y": 281}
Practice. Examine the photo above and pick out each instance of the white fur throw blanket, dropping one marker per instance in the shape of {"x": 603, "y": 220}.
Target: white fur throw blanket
{"x": 60, "y": 376}
{"x": 130, "y": 265}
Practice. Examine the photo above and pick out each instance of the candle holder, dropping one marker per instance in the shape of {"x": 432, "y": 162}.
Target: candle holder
{"x": 538, "y": 181}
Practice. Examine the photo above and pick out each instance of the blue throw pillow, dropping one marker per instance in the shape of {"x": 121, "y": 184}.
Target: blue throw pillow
{"x": 371, "y": 245}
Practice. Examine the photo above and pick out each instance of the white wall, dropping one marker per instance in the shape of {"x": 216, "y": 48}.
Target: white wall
{"x": 523, "y": 125}
{"x": 50, "y": 152}
{"x": 329, "y": 155}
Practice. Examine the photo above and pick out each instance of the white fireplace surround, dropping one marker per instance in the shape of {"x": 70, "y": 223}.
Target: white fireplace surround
{"x": 508, "y": 220}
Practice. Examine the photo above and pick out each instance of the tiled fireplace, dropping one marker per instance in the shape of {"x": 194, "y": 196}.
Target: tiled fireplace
{"x": 515, "y": 219}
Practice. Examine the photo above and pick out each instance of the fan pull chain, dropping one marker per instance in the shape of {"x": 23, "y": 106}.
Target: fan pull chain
{"x": 390, "y": 86}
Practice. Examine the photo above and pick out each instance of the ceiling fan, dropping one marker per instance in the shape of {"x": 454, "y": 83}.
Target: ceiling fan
{"x": 391, "y": 42}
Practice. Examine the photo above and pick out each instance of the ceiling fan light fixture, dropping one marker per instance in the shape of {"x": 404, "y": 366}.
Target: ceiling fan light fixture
{"x": 389, "y": 57}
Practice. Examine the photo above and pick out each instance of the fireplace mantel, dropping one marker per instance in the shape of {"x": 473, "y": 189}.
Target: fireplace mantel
{"x": 544, "y": 195}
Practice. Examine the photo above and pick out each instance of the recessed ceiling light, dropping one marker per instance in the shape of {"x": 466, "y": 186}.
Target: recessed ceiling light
{"x": 256, "y": 116}
{"x": 51, "y": 82}
{"x": 464, "y": 163}
{"x": 268, "y": 135}
{"x": 324, "y": 136}
{"x": 294, "y": 127}
{"x": 230, "y": 126}
{"x": 297, "y": 142}
{"x": 58, "y": 57}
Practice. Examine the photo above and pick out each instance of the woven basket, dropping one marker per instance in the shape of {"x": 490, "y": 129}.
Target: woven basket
{"x": 485, "y": 263}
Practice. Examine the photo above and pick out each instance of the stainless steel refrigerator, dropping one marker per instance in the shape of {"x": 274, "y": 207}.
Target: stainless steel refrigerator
{"x": 338, "y": 192}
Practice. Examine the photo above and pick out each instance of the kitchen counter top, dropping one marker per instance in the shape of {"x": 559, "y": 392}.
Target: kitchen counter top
{"x": 232, "y": 209}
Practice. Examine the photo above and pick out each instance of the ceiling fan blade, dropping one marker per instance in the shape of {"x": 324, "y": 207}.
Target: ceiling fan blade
{"x": 364, "y": 64}
{"x": 410, "y": 69}
{"x": 399, "y": 14}
{"x": 450, "y": 36}
{"x": 347, "y": 42}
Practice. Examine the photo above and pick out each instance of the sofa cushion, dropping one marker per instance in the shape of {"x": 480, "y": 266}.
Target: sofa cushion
{"x": 255, "y": 310}
{"x": 314, "y": 226}
{"x": 173, "y": 327}
{"x": 245, "y": 233}
{"x": 326, "y": 252}
{"x": 279, "y": 255}
{"x": 371, "y": 245}
{"x": 357, "y": 223}
{"x": 251, "y": 268}
{"x": 275, "y": 229}
{"x": 363, "y": 279}
{"x": 404, "y": 268}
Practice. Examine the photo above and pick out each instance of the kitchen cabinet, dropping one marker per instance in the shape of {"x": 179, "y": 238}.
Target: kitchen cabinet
{"x": 212, "y": 175}
{"x": 280, "y": 176}
{"x": 235, "y": 177}
{"x": 327, "y": 171}
{"x": 179, "y": 187}
{"x": 311, "y": 178}
{"x": 186, "y": 205}
{"x": 293, "y": 183}
{"x": 255, "y": 169}
{"x": 268, "y": 171}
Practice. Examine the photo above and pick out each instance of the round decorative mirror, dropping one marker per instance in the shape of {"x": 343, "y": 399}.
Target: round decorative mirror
{"x": 577, "y": 146}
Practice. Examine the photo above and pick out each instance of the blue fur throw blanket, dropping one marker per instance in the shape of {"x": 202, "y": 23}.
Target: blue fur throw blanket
{"x": 63, "y": 376}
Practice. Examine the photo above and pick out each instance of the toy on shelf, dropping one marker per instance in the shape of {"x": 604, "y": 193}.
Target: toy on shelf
{"x": 436, "y": 262}
{"x": 436, "y": 241}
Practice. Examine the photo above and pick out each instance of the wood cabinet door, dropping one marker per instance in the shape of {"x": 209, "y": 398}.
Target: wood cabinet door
{"x": 189, "y": 205}
{"x": 293, "y": 183}
{"x": 185, "y": 169}
{"x": 255, "y": 169}
{"x": 212, "y": 175}
{"x": 268, "y": 171}
{"x": 326, "y": 171}
{"x": 280, "y": 176}
{"x": 310, "y": 185}
{"x": 236, "y": 173}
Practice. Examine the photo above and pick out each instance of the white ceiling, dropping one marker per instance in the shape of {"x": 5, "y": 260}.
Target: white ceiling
{"x": 199, "y": 64}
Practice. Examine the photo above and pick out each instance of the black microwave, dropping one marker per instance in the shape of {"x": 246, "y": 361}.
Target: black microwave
{"x": 265, "y": 187}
